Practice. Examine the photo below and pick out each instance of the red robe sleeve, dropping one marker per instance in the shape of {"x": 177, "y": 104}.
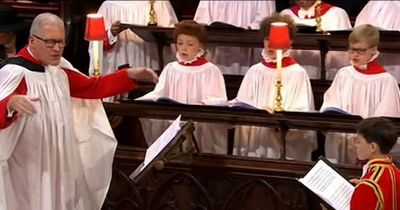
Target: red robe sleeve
{"x": 4, "y": 120}
{"x": 106, "y": 44}
{"x": 104, "y": 86}
{"x": 364, "y": 198}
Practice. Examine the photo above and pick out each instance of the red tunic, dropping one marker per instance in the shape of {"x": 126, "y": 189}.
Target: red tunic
{"x": 379, "y": 188}
{"x": 80, "y": 86}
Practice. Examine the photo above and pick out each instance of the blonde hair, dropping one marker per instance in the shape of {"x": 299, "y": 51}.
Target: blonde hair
{"x": 365, "y": 33}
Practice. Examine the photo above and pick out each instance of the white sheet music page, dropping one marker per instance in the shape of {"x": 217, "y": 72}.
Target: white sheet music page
{"x": 328, "y": 184}
{"x": 162, "y": 141}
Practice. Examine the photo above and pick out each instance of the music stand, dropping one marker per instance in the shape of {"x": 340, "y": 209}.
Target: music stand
{"x": 171, "y": 151}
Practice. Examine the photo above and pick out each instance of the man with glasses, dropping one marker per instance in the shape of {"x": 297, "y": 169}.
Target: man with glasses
{"x": 56, "y": 145}
{"x": 364, "y": 89}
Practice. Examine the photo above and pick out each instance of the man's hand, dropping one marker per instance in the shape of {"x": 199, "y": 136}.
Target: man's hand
{"x": 22, "y": 104}
{"x": 116, "y": 28}
{"x": 142, "y": 74}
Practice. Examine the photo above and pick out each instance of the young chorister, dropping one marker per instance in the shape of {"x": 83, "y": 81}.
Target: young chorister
{"x": 192, "y": 79}
{"x": 364, "y": 88}
{"x": 259, "y": 89}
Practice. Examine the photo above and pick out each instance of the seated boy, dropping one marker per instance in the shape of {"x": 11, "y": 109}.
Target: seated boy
{"x": 379, "y": 186}
{"x": 258, "y": 89}
{"x": 364, "y": 88}
{"x": 192, "y": 79}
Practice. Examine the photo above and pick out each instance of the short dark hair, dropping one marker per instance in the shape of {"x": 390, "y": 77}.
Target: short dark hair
{"x": 378, "y": 130}
{"x": 265, "y": 24}
{"x": 191, "y": 28}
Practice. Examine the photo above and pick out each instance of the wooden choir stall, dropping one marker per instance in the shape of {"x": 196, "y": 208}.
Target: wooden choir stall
{"x": 179, "y": 179}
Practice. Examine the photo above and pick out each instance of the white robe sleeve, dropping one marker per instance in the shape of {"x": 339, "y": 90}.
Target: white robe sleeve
{"x": 203, "y": 14}
{"x": 300, "y": 97}
{"x": 382, "y": 14}
{"x": 165, "y": 13}
{"x": 216, "y": 91}
{"x": 10, "y": 77}
{"x": 263, "y": 10}
{"x": 332, "y": 95}
{"x": 336, "y": 19}
{"x": 159, "y": 90}
{"x": 390, "y": 104}
{"x": 246, "y": 90}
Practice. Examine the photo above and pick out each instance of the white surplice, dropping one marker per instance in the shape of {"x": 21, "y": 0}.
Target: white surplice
{"x": 203, "y": 84}
{"x": 385, "y": 15}
{"x": 59, "y": 158}
{"x": 334, "y": 19}
{"x": 129, "y": 47}
{"x": 244, "y": 14}
{"x": 258, "y": 88}
{"x": 358, "y": 94}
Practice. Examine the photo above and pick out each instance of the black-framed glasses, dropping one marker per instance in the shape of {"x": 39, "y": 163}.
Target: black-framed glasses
{"x": 360, "y": 51}
{"x": 51, "y": 42}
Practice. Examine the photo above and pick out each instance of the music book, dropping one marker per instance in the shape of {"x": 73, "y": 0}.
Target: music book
{"x": 166, "y": 100}
{"x": 158, "y": 146}
{"x": 326, "y": 181}
{"x": 334, "y": 110}
{"x": 162, "y": 100}
{"x": 240, "y": 105}
{"x": 223, "y": 25}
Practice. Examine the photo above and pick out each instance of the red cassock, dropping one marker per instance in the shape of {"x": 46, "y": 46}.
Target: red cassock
{"x": 81, "y": 86}
{"x": 379, "y": 188}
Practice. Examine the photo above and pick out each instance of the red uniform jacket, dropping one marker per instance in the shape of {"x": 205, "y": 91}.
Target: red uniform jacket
{"x": 379, "y": 188}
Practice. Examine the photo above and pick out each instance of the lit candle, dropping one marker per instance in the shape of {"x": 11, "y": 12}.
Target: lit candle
{"x": 96, "y": 64}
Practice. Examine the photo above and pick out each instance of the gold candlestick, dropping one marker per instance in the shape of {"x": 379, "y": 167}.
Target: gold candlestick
{"x": 152, "y": 14}
{"x": 278, "y": 98}
{"x": 318, "y": 16}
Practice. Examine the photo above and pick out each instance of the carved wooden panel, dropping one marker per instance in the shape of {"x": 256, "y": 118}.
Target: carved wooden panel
{"x": 212, "y": 182}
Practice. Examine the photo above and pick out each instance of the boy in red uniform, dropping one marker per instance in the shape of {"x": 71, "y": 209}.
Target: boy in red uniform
{"x": 379, "y": 186}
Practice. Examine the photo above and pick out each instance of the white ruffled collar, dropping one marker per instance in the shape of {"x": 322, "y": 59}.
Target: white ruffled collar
{"x": 268, "y": 59}
{"x": 365, "y": 66}
{"x": 310, "y": 12}
{"x": 200, "y": 54}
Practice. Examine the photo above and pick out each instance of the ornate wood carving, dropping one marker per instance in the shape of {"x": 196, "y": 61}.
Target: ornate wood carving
{"x": 212, "y": 182}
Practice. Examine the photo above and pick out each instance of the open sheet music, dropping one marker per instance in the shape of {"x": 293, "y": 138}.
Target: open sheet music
{"x": 328, "y": 184}
{"x": 158, "y": 146}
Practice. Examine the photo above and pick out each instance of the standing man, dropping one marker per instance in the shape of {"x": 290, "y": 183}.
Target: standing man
{"x": 56, "y": 146}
